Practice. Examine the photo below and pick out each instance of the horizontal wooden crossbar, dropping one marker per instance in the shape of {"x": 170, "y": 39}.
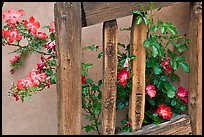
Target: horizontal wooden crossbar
{"x": 179, "y": 125}
{"x": 98, "y": 12}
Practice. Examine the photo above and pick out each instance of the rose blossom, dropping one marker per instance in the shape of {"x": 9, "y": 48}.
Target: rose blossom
{"x": 83, "y": 79}
{"x": 52, "y": 27}
{"x": 37, "y": 78}
{"x": 24, "y": 83}
{"x": 123, "y": 75}
{"x": 3, "y": 33}
{"x": 32, "y": 25}
{"x": 14, "y": 59}
{"x": 12, "y": 34}
{"x": 150, "y": 89}
{"x": 126, "y": 64}
{"x": 50, "y": 45}
{"x": 41, "y": 35}
{"x": 167, "y": 65}
{"x": 12, "y": 16}
{"x": 164, "y": 111}
{"x": 182, "y": 93}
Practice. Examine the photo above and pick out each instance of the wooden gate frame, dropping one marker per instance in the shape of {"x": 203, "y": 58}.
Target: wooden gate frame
{"x": 70, "y": 17}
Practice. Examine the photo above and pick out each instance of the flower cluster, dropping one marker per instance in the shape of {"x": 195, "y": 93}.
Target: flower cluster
{"x": 17, "y": 29}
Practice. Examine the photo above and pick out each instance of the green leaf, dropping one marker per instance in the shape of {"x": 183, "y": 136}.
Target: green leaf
{"x": 89, "y": 81}
{"x": 87, "y": 65}
{"x": 175, "y": 65}
{"x": 155, "y": 114}
{"x": 138, "y": 20}
{"x": 184, "y": 66}
{"x": 49, "y": 50}
{"x": 123, "y": 29}
{"x": 91, "y": 47}
{"x": 145, "y": 20}
{"x": 147, "y": 43}
{"x": 170, "y": 93}
{"x": 88, "y": 128}
{"x": 120, "y": 104}
{"x": 164, "y": 29}
{"x": 157, "y": 70}
{"x": 152, "y": 102}
{"x": 173, "y": 102}
{"x": 180, "y": 58}
{"x": 173, "y": 29}
{"x": 100, "y": 82}
{"x": 154, "y": 51}
{"x": 182, "y": 47}
{"x": 137, "y": 12}
{"x": 163, "y": 78}
{"x": 100, "y": 55}
{"x": 183, "y": 107}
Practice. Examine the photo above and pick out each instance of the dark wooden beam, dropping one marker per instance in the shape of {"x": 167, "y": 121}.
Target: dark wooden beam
{"x": 68, "y": 50}
{"x": 195, "y": 63}
{"x": 98, "y": 12}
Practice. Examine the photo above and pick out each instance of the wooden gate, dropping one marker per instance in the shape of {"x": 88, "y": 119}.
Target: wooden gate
{"x": 70, "y": 17}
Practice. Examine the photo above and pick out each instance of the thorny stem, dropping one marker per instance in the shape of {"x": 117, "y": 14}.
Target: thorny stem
{"x": 95, "y": 120}
{"x": 16, "y": 45}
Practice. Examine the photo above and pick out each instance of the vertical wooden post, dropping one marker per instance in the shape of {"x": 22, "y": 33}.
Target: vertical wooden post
{"x": 68, "y": 50}
{"x": 195, "y": 76}
{"x": 137, "y": 97}
{"x": 110, "y": 29}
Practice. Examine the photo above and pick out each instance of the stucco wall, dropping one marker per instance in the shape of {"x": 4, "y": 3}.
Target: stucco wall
{"x": 40, "y": 115}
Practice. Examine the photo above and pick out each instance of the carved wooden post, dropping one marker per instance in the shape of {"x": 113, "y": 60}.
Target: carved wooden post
{"x": 110, "y": 77}
{"x": 68, "y": 50}
{"x": 137, "y": 97}
{"x": 195, "y": 76}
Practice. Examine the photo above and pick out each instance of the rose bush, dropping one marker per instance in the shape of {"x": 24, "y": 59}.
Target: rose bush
{"x": 163, "y": 100}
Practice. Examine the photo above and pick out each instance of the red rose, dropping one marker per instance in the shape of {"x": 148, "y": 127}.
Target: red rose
{"x": 182, "y": 93}
{"x": 164, "y": 111}
{"x": 83, "y": 80}
{"x": 150, "y": 89}
{"x": 123, "y": 75}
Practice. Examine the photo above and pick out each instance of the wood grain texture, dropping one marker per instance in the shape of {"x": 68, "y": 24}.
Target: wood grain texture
{"x": 195, "y": 59}
{"x": 137, "y": 96}
{"x": 179, "y": 125}
{"x": 98, "y": 12}
{"x": 68, "y": 49}
{"x": 110, "y": 32}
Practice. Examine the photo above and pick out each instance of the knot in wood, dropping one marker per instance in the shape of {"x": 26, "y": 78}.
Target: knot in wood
{"x": 109, "y": 48}
{"x": 109, "y": 103}
{"x": 69, "y": 4}
{"x": 109, "y": 130}
{"x": 198, "y": 7}
{"x": 193, "y": 101}
{"x": 63, "y": 16}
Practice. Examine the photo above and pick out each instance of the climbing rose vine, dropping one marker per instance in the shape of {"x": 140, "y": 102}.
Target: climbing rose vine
{"x": 163, "y": 99}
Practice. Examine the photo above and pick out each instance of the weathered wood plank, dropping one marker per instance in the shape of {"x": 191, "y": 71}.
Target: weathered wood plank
{"x": 110, "y": 32}
{"x": 68, "y": 49}
{"x": 179, "y": 125}
{"x": 195, "y": 59}
{"x": 98, "y": 12}
{"x": 137, "y": 96}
